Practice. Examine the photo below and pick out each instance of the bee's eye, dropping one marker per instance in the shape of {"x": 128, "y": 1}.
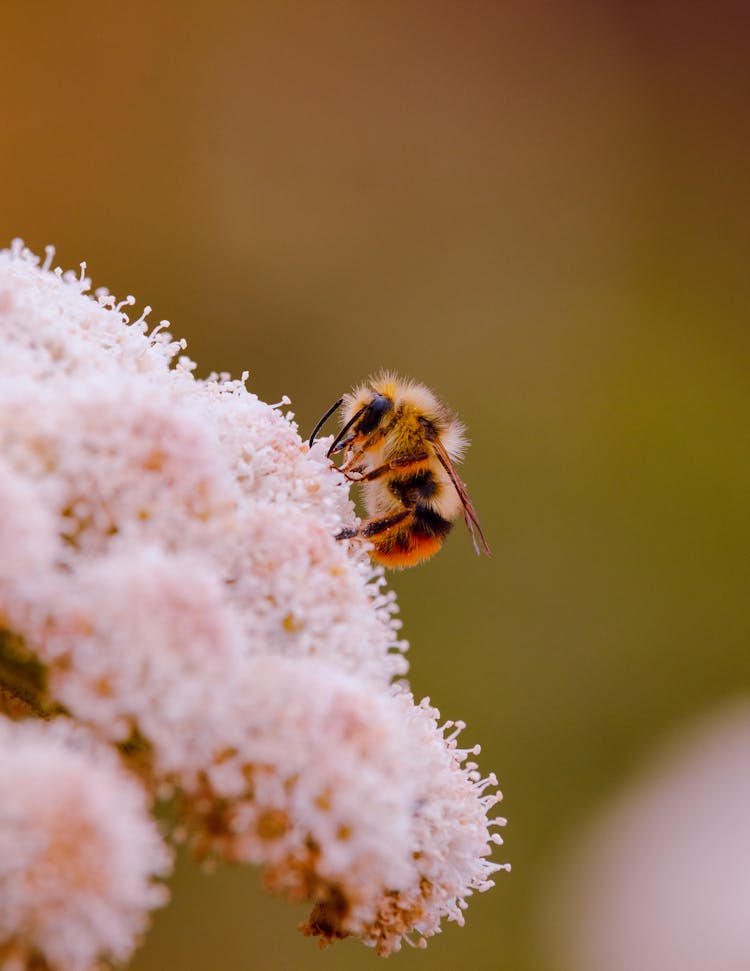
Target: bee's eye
{"x": 373, "y": 414}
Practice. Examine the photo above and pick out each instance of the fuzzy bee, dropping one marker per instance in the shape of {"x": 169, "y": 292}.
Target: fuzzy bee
{"x": 399, "y": 443}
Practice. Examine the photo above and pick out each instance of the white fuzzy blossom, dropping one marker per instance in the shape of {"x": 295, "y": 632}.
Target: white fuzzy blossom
{"x": 170, "y": 581}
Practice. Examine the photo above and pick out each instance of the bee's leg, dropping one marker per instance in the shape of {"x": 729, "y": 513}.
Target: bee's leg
{"x": 375, "y": 527}
{"x": 356, "y": 455}
{"x": 396, "y": 465}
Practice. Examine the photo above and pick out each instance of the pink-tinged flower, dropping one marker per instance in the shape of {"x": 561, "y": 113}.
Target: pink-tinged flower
{"x": 354, "y": 799}
{"x": 170, "y": 578}
{"x": 79, "y": 852}
{"x": 452, "y": 836}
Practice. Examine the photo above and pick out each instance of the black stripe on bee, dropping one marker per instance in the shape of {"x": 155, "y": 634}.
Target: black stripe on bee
{"x": 427, "y": 522}
{"x": 416, "y": 488}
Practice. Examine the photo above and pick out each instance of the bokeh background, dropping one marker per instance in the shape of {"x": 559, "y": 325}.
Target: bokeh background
{"x": 543, "y": 211}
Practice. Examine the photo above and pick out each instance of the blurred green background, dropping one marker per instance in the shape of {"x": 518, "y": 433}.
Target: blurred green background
{"x": 543, "y": 211}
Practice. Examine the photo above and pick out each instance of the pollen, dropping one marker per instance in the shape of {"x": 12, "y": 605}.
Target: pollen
{"x": 154, "y": 461}
{"x": 291, "y": 624}
{"x": 272, "y": 824}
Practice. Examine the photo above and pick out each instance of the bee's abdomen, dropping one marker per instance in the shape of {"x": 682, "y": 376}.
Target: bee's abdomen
{"x": 415, "y": 489}
{"x": 428, "y": 523}
{"x": 416, "y": 540}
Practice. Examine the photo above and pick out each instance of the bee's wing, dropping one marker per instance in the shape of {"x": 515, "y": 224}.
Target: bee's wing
{"x": 470, "y": 513}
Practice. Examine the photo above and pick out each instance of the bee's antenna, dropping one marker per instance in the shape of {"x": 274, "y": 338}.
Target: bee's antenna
{"x": 324, "y": 419}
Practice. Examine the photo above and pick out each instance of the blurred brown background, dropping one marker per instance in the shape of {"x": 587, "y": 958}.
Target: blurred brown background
{"x": 540, "y": 209}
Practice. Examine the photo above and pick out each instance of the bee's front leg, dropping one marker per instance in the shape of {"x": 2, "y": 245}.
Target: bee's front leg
{"x": 350, "y": 465}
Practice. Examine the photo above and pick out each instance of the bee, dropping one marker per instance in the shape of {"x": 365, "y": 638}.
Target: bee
{"x": 400, "y": 442}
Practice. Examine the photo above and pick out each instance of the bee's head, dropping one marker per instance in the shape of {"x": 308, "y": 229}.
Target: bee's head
{"x": 361, "y": 418}
{"x": 362, "y": 410}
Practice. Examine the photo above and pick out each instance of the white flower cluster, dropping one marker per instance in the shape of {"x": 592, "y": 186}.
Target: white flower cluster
{"x": 170, "y": 583}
